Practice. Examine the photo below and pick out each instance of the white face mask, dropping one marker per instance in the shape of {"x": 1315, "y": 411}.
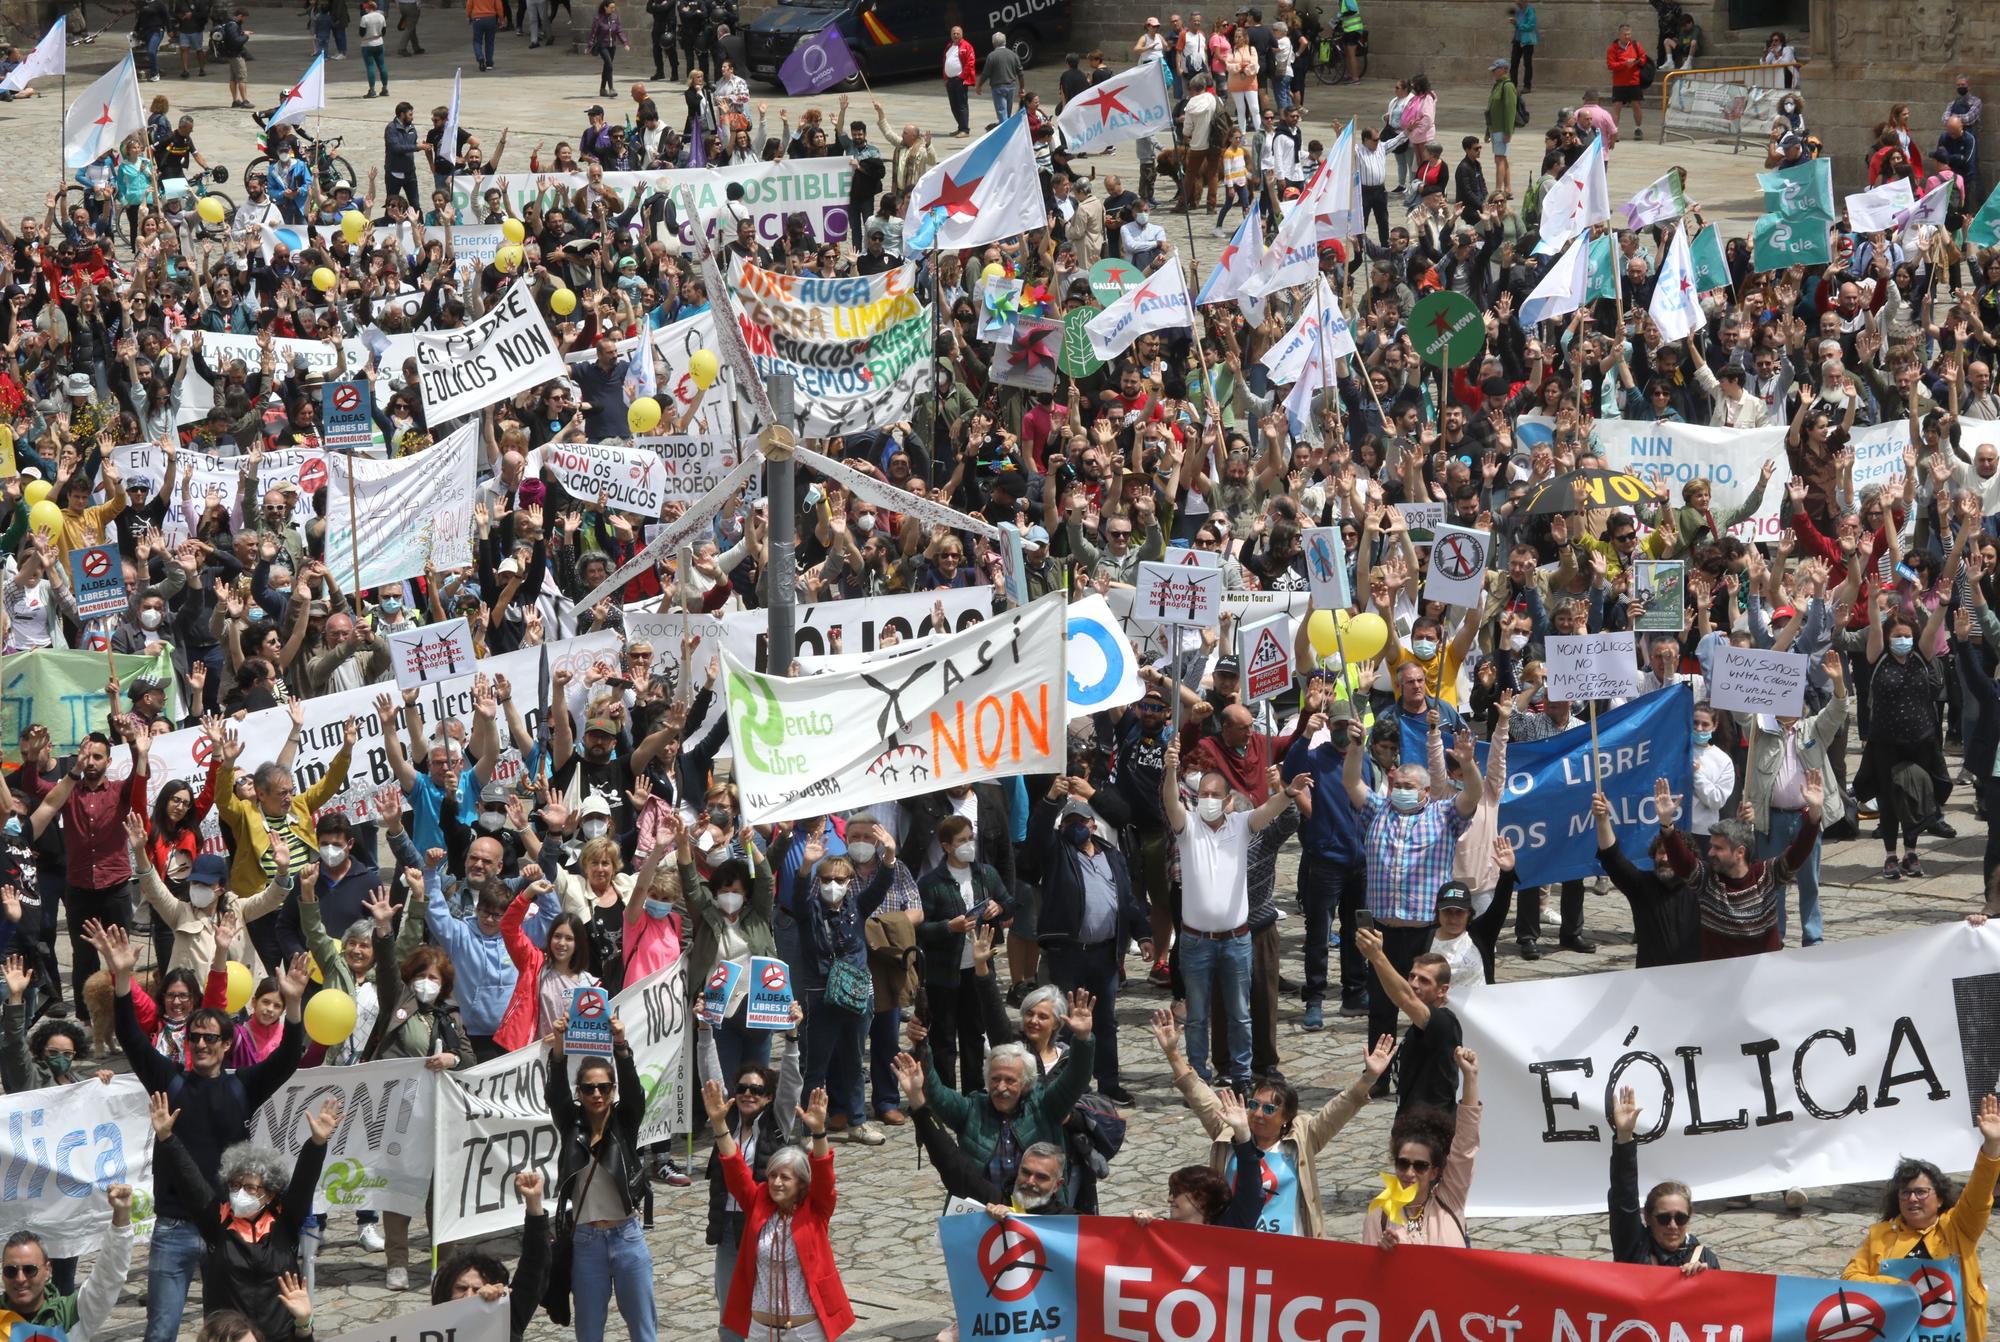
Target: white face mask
{"x": 861, "y": 851}
{"x": 1516, "y": 642}
{"x": 594, "y": 829}
{"x": 427, "y": 990}
{"x": 1211, "y": 808}
{"x": 332, "y": 854}
{"x": 149, "y": 618}
{"x": 965, "y": 853}
{"x": 832, "y": 892}
{"x": 729, "y": 901}
{"x": 244, "y": 1205}
{"x": 201, "y": 896}
{"x": 866, "y": 522}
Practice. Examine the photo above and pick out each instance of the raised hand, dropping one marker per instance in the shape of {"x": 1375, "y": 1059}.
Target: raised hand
{"x": 163, "y": 1116}
{"x": 1081, "y": 1008}
{"x": 1166, "y": 1031}
{"x": 1376, "y": 1061}
{"x": 325, "y": 1121}
{"x": 813, "y": 1113}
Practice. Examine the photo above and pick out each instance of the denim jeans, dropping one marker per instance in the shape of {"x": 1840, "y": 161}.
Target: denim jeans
{"x": 1785, "y": 828}
{"x": 883, "y": 1033}
{"x": 608, "y": 1259}
{"x": 483, "y": 31}
{"x": 1327, "y": 888}
{"x": 1217, "y": 974}
{"x": 835, "y": 1043}
{"x": 376, "y": 63}
{"x": 725, "y": 1272}
{"x": 1003, "y": 101}
{"x": 958, "y": 95}
{"x": 170, "y": 1267}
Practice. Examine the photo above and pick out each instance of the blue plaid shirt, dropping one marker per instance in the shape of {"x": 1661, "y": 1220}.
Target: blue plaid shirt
{"x": 1409, "y": 857}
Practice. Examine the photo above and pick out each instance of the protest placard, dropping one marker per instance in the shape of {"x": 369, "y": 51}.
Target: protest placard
{"x": 770, "y": 1003}
{"x": 1591, "y": 666}
{"x": 1423, "y": 520}
{"x": 97, "y": 582}
{"x": 720, "y": 989}
{"x": 689, "y": 465}
{"x": 1265, "y": 663}
{"x": 588, "y": 1029}
{"x": 1326, "y": 568}
{"x": 507, "y": 350}
{"x": 1458, "y": 566}
{"x": 629, "y": 479}
{"x": 425, "y": 653}
{"x": 1660, "y": 585}
{"x": 1754, "y": 680}
{"x": 346, "y": 416}
{"x": 412, "y": 513}
{"x": 469, "y": 1319}
{"x": 1174, "y": 594}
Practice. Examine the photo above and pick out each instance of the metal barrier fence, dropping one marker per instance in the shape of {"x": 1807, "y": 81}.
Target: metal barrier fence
{"x": 1717, "y": 103}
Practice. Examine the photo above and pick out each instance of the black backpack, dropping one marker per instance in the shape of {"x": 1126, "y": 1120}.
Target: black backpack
{"x": 1647, "y": 72}
{"x": 1521, "y": 117}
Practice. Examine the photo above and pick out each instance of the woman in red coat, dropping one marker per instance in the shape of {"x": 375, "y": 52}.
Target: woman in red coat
{"x": 785, "y": 1282}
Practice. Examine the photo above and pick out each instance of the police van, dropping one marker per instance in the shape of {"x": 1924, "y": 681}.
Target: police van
{"x": 905, "y": 37}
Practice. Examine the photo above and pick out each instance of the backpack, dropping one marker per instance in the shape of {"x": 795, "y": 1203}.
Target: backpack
{"x": 1647, "y": 70}
{"x": 1102, "y": 1124}
{"x": 1520, "y": 112}
{"x": 1221, "y": 125}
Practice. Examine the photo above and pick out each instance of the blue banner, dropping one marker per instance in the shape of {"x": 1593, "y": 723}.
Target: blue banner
{"x": 1545, "y": 811}
{"x": 1940, "y": 1288}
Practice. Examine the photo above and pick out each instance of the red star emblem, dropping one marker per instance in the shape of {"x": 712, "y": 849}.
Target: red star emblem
{"x": 956, "y": 197}
{"x": 1439, "y": 324}
{"x": 1031, "y": 347}
{"x": 296, "y": 91}
{"x": 104, "y": 118}
{"x": 1141, "y": 294}
{"x": 1685, "y": 285}
{"x": 1227, "y": 253}
{"x": 1106, "y": 100}
{"x": 1118, "y": 274}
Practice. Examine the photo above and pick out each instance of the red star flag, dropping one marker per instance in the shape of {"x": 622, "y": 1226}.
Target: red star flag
{"x": 1159, "y": 304}
{"x": 984, "y": 193}
{"x": 108, "y": 111}
{"x": 1676, "y": 306}
{"x": 1236, "y": 265}
{"x": 50, "y": 57}
{"x": 308, "y": 95}
{"x": 1581, "y": 197}
{"x": 1322, "y": 326}
{"x": 1124, "y": 107}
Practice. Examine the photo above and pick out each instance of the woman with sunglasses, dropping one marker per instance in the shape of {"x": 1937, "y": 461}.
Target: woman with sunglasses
{"x": 600, "y": 1186}
{"x": 1657, "y": 1233}
{"x": 1433, "y": 1155}
{"x": 1926, "y": 1215}
{"x": 763, "y": 1119}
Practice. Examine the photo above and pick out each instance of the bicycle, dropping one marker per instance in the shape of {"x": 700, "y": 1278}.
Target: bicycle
{"x": 327, "y": 166}
{"x": 1330, "y": 57}
{"x": 177, "y": 192}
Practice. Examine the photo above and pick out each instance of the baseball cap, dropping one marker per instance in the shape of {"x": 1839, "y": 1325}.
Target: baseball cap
{"x": 1035, "y": 535}
{"x": 605, "y": 725}
{"x": 1227, "y": 666}
{"x": 495, "y": 793}
{"x": 593, "y": 805}
{"x": 209, "y": 869}
{"x": 1497, "y": 65}
{"x": 1454, "y": 895}
{"x": 594, "y": 110}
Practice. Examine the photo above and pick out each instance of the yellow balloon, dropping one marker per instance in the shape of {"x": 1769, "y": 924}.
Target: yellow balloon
{"x": 563, "y": 302}
{"x": 329, "y": 1016}
{"x": 353, "y": 224}
{"x": 324, "y": 279}
{"x": 703, "y": 368}
{"x": 45, "y": 519}
{"x": 241, "y": 984}
{"x": 36, "y": 490}
{"x": 643, "y": 415}
{"x": 994, "y": 271}
{"x": 508, "y": 259}
{"x": 512, "y": 230}
{"x": 1364, "y": 637}
{"x": 1320, "y": 630}
{"x": 210, "y": 209}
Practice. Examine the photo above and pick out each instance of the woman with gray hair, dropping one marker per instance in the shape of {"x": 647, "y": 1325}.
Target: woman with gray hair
{"x": 250, "y": 1222}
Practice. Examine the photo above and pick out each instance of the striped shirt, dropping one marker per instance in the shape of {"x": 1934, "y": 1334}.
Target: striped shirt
{"x": 1409, "y": 857}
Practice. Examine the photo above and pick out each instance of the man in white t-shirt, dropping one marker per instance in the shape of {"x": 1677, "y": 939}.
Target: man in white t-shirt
{"x": 1214, "y": 849}
{"x": 1453, "y": 938}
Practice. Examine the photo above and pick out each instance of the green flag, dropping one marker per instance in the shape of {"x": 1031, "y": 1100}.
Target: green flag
{"x": 1711, "y": 269}
{"x": 1804, "y": 188}
{"x": 1603, "y": 270}
{"x": 64, "y": 692}
{"x": 1781, "y": 241}
{"x": 1984, "y": 230}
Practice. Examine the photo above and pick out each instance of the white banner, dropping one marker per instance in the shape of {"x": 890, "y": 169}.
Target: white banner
{"x": 1755, "y": 1074}
{"x": 61, "y": 1146}
{"x": 200, "y": 474}
{"x": 985, "y": 703}
{"x": 508, "y": 350}
{"x": 861, "y": 622}
{"x": 1591, "y": 666}
{"x": 380, "y": 1155}
{"x": 493, "y": 1119}
{"x": 815, "y": 187}
{"x": 1729, "y": 459}
{"x": 629, "y": 479}
{"x": 415, "y": 512}
{"x": 469, "y": 1320}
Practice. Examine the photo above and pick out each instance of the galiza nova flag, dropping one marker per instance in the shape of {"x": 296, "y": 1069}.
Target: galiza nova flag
{"x": 50, "y": 57}
{"x": 1676, "y": 305}
{"x": 1563, "y": 289}
{"x": 1294, "y": 254}
{"x": 1581, "y": 198}
{"x": 1124, "y": 107}
{"x": 1929, "y": 209}
{"x": 1663, "y": 200}
{"x": 1159, "y": 303}
{"x": 984, "y": 193}
{"x": 308, "y": 95}
{"x": 1237, "y": 264}
{"x": 108, "y": 111}
{"x": 1321, "y": 327}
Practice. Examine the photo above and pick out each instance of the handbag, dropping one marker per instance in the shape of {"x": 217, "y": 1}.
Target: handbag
{"x": 850, "y": 988}
{"x": 562, "y": 1248}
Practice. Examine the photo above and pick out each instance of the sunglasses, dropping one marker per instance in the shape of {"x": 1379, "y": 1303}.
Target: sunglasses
{"x": 760, "y": 1092}
{"x": 1413, "y": 1166}
{"x": 204, "y": 1037}
{"x": 1260, "y": 1106}
{"x": 1670, "y": 1218}
{"x": 19, "y": 1270}
{"x": 593, "y": 1087}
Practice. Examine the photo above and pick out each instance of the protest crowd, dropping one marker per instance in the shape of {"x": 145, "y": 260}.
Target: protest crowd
{"x": 544, "y": 695}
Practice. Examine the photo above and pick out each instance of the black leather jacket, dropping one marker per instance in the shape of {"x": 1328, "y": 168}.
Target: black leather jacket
{"x": 617, "y": 1149}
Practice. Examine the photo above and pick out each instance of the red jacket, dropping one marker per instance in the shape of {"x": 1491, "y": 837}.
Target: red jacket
{"x": 1624, "y": 60}
{"x": 809, "y": 1220}
{"x": 968, "y": 60}
{"x": 520, "y": 1023}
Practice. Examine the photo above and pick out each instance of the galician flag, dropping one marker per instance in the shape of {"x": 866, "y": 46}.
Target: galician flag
{"x": 1581, "y": 197}
{"x": 108, "y": 111}
{"x": 1116, "y": 110}
{"x": 1299, "y": 400}
{"x": 983, "y": 193}
{"x": 309, "y": 95}
{"x": 1663, "y": 200}
{"x": 50, "y": 57}
{"x": 640, "y": 379}
{"x": 1676, "y": 306}
{"x": 1159, "y": 303}
{"x": 1984, "y": 229}
{"x": 1237, "y": 264}
{"x": 1322, "y": 326}
{"x": 1563, "y": 289}
{"x": 1294, "y": 254}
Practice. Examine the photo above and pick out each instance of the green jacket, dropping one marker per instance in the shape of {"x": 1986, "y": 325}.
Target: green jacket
{"x": 1502, "y": 105}
{"x": 754, "y": 919}
{"x": 1039, "y": 1119}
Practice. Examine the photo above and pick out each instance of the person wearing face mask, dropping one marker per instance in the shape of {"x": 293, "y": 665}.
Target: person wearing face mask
{"x": 251, "y": 1219}
{"x": 892, "y": 946}
{"x": 729, "y": 911}
{"x": 960, "y": 894}
{"x": 485, "y": 972}
{"x": 1903, "y": 769}
{"x": 830, "y": 932}
{"x": 193, "y": 921}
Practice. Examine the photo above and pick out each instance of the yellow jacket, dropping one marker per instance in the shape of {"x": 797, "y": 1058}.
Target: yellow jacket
{"x": 82, "y": 527}
{"x": 247, "y": 873}
{"x": 1956, "y": 1234}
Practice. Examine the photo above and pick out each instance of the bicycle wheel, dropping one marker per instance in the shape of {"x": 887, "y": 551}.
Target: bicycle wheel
{"x": 216, "y": 232}
{"x": 71, "y": 196}
{"x": 260, "y": 166}
{"x": 337, "y": 169}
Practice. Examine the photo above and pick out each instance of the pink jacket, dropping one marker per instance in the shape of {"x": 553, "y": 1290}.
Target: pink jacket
{"x": 1419, "y": 119}
{"x": 651, "y": 944}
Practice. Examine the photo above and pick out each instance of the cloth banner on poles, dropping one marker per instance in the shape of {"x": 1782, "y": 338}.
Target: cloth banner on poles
{"x": 845, "y": 386}
{"x": 684, "y": 527}
{"x": 984, "y": 703}
{"x": 63, "y": 691}
{"x": 631, "y": 479}
{"x": 61, "y": 1146}
{"x": 807, "y": 307}
{"x": 380, "y": 1155}
{"x": 1673, "y": 454}
{"x": 508, "y": 350}
{"x": 1545, "y": 811}
{"x": 469, "y": 1320}
{"x": 493, "y": 1119}
{"x": 1040, "y": 1278}
{"x": 415, "y": 512}
{"x": 1769, "y": 1071}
